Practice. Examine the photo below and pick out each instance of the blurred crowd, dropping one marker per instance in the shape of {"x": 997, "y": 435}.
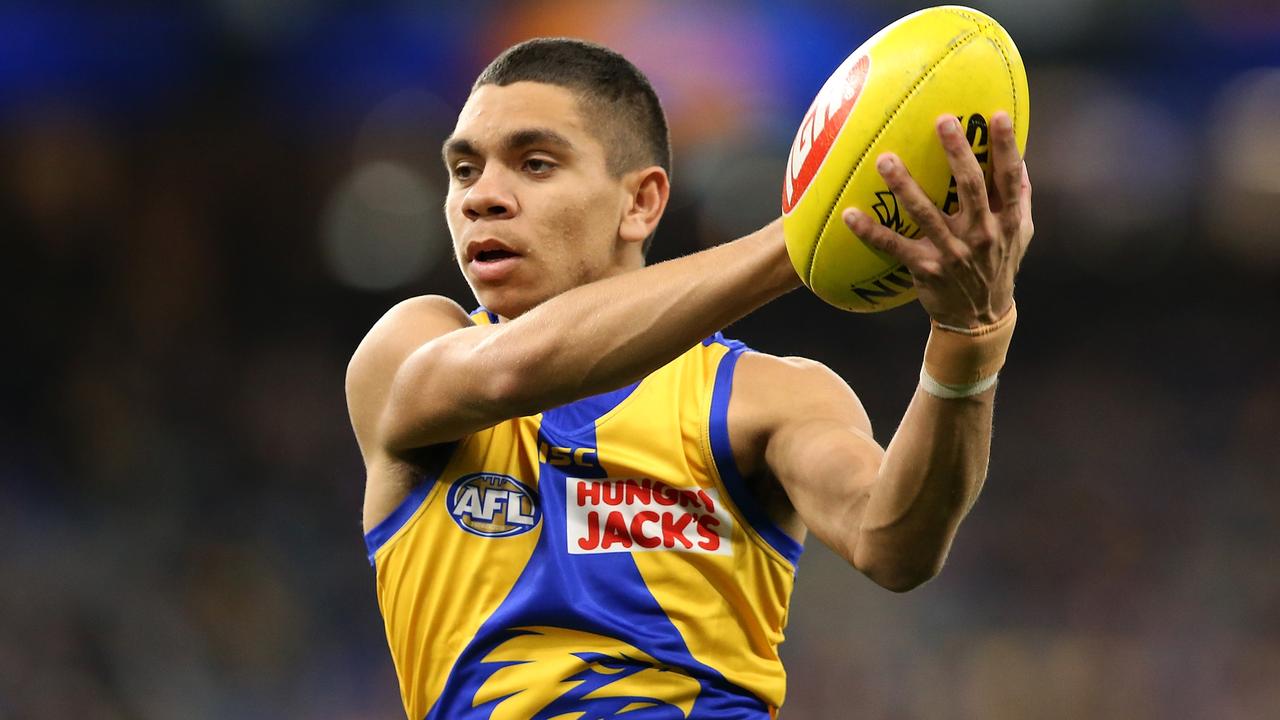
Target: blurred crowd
{"x": 203, "y": 211}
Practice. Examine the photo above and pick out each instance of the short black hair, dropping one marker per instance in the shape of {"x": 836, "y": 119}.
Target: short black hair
{"x": 616, "y": 98}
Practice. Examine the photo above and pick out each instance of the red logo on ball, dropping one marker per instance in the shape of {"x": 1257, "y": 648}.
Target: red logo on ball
{"x": 821, "y": 125}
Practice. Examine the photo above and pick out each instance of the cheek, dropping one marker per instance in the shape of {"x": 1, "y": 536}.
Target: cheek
{"x": 588, "y": 227}
{"x": 587, "y": 239}
{"x": 453, "y": 218}
{"x": 453, "y": 211}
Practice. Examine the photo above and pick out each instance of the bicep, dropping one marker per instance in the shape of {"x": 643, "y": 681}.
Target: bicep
{"x": 827, "y": 466}
{"x": 814, "y": 439}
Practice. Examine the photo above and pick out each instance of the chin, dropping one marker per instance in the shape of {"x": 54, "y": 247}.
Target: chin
{"x": 508, "y": 302}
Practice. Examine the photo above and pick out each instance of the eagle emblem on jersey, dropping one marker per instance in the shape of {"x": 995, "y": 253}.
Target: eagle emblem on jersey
{"x": 551, "y": 673}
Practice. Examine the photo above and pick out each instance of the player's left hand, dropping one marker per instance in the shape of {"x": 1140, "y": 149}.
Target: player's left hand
{"x": 965, "y": 264}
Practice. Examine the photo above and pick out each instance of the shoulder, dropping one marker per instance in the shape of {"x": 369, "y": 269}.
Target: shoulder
{"x": 392, "y": 339}
{"x": 404, "y": 328}
{"x": 771, "y": 393}
{"x": 416, "y": 315}
{"x": 793, "y": 385}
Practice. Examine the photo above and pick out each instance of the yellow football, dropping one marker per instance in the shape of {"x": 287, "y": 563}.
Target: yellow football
{"x": 887, "y": 97}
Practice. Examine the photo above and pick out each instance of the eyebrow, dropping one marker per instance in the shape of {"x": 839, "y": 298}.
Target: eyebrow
{"x": 517, "y": 140}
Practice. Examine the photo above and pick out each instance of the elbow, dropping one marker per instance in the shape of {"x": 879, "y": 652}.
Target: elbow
{"x": 898, "y": 575}
{"x": 902, "y": 582}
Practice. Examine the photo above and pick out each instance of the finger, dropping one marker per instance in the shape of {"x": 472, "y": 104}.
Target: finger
{"x": 1024, "y": 200}
{"x": 971, "y": 185}
{"x": 1008, "y": 168}
{"x": 903, "y": 249}
{"x": 918, "y": 205}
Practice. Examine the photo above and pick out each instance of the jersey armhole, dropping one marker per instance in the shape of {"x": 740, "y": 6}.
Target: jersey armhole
{"x": 722, "y": 456}
{"x": 409, "y": 506}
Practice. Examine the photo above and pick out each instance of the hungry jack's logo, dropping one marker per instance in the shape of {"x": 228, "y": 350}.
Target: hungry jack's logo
{"x": 644, "y": 515}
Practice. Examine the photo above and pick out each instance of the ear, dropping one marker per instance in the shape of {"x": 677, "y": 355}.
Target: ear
{"x": 647, "y": 193}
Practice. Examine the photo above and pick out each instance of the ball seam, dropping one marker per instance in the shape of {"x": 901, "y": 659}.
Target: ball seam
{"x": 985, "y": 24}
{"x": 960, "y": 43}
{"x": 1013, "y": 84}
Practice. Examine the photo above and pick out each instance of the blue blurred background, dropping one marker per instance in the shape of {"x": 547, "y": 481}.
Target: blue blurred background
{"x": 205, "y": 205}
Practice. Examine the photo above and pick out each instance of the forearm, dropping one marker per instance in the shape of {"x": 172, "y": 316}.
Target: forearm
{"x": 929, "y": 478}
{"x": 603, "y": 335}
{"x": 935, "y": 465}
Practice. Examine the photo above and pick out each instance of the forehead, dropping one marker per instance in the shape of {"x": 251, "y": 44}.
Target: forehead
{"x": 495, "y": 111}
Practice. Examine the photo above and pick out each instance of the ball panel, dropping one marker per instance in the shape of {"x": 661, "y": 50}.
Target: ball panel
{"x": 898, "y": 55}
{"x": 1020, "y": 112}
{"x": 946, "y": 88}
{"x": 938, "y": 61}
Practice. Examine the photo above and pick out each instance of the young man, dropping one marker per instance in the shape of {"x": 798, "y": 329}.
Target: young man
{"x": 583, "y": 501}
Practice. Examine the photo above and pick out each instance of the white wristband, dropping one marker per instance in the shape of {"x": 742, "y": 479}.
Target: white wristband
{"x": 955, "y": 392}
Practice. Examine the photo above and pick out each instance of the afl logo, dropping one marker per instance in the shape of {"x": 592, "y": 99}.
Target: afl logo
{"x": 493, "y": 505}
{"x": 821, "y": 126}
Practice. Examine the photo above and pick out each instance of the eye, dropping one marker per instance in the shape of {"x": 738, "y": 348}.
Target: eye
{"x": 539, "y": 166}
{"x": 462, "y": 172}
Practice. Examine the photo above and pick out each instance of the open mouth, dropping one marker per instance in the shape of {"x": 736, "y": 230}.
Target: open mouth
{"x": 493, "y": 255}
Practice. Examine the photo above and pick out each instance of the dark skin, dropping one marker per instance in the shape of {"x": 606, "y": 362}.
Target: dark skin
{"x": 964, "y": 272}
{"x": 582, "y": 315}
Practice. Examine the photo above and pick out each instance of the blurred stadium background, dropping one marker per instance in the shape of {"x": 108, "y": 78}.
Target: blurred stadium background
{"x": 205, "y": 205}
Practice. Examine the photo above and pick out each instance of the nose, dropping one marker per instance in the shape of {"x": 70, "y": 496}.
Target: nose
{"x": 489, "y": 196}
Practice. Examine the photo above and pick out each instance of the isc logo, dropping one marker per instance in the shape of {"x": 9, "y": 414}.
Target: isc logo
{"x": 493, "y": 505}
{"x": 562, "y": 456}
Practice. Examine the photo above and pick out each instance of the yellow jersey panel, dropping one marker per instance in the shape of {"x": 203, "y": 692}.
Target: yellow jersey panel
{"x": 439, "y": 575}
{"x": 601, "y": 559}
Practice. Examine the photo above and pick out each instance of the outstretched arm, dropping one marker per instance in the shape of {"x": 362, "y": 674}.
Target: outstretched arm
{"x": 893, "y": 513}
{"x": 425, "y": 375}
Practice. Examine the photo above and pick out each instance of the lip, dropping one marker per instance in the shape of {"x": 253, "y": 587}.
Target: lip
{"x": 475, "y": 247}
{"x": 493, "y": 271}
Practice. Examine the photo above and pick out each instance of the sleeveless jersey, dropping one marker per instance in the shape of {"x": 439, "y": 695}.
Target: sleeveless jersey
{"x": 601, "y": 559}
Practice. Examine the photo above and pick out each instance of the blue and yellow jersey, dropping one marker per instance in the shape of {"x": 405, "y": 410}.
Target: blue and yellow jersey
{"x": 600, "y": 559}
